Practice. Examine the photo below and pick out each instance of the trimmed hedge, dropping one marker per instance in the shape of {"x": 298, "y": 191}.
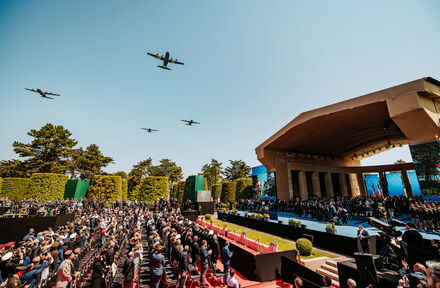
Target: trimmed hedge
{"x": 244, "y": 188}
{"x": 304, "y": 246}
{"x": 124, "y": 189}
{"x": 15, "y": 188}
{"x": 180, "y": 192}
{"x": 47, "y": 186}
{"x": 205, "y": 184}
{"x": 216, "y": 191}
{"x": 105, "y": 187}
{"x": 154, "y": 187}
{"x": 133, "y": 193}
{"x": 1, "y": 180}
{"x": 173, "y": 192}
{"x": 228, "y": 192}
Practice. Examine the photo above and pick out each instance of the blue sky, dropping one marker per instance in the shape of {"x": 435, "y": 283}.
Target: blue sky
{"x": 242, "y": 59}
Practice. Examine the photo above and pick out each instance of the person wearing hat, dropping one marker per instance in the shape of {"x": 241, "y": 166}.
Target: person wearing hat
{"x": 66, "y": 271}
{"x": 31, "y": 276}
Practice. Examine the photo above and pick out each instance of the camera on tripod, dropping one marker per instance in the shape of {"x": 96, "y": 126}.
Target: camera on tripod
{"x": 386, "y": 228}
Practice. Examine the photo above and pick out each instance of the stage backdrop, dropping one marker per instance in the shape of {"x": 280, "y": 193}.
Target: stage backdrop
{"x": 263, "y": 182}
{"x": 394, "y": 183}
{"x": 426, "y": 159}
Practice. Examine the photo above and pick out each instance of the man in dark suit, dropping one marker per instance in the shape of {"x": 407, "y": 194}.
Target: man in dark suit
{"x": 363, "y": 236}
{"x": 215, "y": 247}
{"x": 414, "y": 241}
{"x": 226, "y": 259}
{"x": 157, "y": 266}
{"x": 195, "y": 251}
{"x": 183, "y": 265}
{"x": 205, "y": 254}
{"x": 128, "y": 270}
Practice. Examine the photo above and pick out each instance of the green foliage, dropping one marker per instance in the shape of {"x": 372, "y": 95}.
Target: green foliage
{"x": 15, "y": 188}
{"x": 173, "y": 192}
{"x": 1, "y": 181}
{"x": 49, "y": 151}
{"x": 228, "y": 192}
{"x": 237, "y": 169}
{"x": 124, "y": 188}
{"x": 208, "y": 217}
{"x": 244, "y": 188}
{"x": 205, "y": 184}
{"x": 133, "y": 193}
{"x": 304, "y": 246}
{"x": 216, "y": 191}
{"x": 47, "y": 186}
{"x": 14, "y": 168}
{"x": 153, "y": 187}
{"x": 105, "y": 187}
{"x": 167, "y": 168}
{"x": 180, "y": 191}
{"x": 212, "y": 173}
{"x": 137, "y": 173}
{"x": 88, "y": 162}
{"x": 123, "y": 174}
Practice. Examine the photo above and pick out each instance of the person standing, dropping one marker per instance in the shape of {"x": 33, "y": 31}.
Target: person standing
{"x": 157, "y": 266}
{"x": 183, "y": 265}
{"x": 65, "y": 271}
{"x": 226, "y": 256}
{"x": 363, "y": 236}
{"x": 205, "y": 254}
{"x": 128, "y": 269}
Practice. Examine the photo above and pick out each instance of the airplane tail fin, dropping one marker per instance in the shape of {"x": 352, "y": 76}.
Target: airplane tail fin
{"x": 163, "y": 67}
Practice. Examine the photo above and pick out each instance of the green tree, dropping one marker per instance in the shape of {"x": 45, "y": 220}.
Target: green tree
{"x": 167, "y": 168}
{"x": 212, "y": 173}
{"x": 89, "y": 162}
{"x": 49, "y": 151}
{"x": 237, "y": 169}
{"x": 14, "y": 168}
{"x": 123, "y": 174}
{"x": 137, "y": 173}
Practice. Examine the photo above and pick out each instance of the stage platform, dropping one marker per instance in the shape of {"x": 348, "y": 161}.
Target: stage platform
{"x": 349, "y": 230}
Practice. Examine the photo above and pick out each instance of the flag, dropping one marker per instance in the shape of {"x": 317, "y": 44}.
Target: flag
{"x": 374, "y": 192}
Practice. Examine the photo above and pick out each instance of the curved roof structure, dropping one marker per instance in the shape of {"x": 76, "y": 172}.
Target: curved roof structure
{"x": 363, "y": 126}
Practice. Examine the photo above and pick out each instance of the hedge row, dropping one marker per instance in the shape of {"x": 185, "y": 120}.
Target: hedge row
{"x": 180, "y": 191}
{"x": 153, "y": 188}
{"x": 1, "y": 181}
{"x": 15, "y": 188}
{"x": 228, "y": 192}
{"x": 173, "y": 192}
{"x": 133, "y": 193}
{"x": 216, "y": 191}
{"x": 244, "y": 188}
{"x": 124, "y": 189}
{"x": 47, "y": 186}
{"x": 105, "y": 187}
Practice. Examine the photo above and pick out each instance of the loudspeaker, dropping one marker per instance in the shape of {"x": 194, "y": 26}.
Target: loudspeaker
{"x": 366, "y": 268}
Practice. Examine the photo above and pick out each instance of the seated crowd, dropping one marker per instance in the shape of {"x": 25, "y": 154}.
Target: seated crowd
{"x": 56, "y": 257}
{"x": 425, "y": 214}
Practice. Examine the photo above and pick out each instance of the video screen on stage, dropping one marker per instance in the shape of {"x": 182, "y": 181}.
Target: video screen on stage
{"x": 394, "y": 184}
{"x": 263, "y": 182}
{"x": 426, "y": 159}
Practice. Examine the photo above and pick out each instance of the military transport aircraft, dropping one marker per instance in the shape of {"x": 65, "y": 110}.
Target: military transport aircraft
{"x": 149, "y": 130}
{"x": 165, "y": 60}
{"x": 43, "y": 94}
{"x": 190, "y": 122}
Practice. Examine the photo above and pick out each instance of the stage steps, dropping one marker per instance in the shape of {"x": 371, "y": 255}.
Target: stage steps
{"x": 330, "y": 269}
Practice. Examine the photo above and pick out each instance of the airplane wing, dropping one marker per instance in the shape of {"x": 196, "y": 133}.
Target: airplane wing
{"x": 154, "y": 130}
{"x": 33, "y": 90}
{"x": 144, "y": 128}
{"x": 194, "y": 122}
{"x": 175, "y": 61}
{"x": 53, "y": 94}
{"x": 155, "y": 56}
{"x": 48, "y": 97}
{"x": 186, "y": 121}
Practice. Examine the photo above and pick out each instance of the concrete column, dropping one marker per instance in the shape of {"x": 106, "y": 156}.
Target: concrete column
{"x": 290, "y": 184}
{"x": 343, "y": 185}
{"x": 354, "y": 184}
{"x": 316, "y": 185}
{"x": 406, "y": 183}
{"x": 303, "y": 185}
{"x": 361, "y": 182}
{"x": 329, "y": 185}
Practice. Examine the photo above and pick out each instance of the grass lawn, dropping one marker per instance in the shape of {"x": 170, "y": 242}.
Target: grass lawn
{"x": 283, "y": 244}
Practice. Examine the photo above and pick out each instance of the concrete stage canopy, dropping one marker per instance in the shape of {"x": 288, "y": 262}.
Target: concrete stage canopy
{"x": 333, "y": 139}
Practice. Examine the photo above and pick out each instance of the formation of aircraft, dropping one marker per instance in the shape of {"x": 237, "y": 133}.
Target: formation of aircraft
{"x": 44, "y": 94}
{"x": 166, "y": 59}
{"x": 149, "y": 130}
{"x": 190, "y": 122}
